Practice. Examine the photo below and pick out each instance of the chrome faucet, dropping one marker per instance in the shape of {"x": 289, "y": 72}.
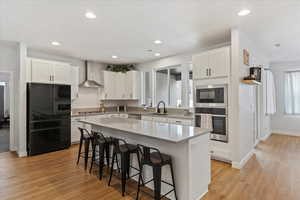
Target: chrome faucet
{"x": 158, "y": 109}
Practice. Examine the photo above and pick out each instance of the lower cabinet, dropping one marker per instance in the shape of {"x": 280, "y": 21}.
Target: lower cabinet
{"x": 186, "y": 122}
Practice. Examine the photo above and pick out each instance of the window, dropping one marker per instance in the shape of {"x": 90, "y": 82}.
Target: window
{"x": 146, "y": 86}
{"x": 292, "y": 92}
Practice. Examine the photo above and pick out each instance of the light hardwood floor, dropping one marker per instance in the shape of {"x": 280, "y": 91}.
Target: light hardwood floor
{"x": 272, "y": 174}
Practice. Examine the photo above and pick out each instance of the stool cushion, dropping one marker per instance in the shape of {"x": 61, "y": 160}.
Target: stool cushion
{"x": 156, "y": 159}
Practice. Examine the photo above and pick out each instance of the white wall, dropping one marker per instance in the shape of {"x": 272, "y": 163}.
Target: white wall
{"x": 242, "y": 118}
{"x": 9, "y": 62}
{"x": 280, "y": 122}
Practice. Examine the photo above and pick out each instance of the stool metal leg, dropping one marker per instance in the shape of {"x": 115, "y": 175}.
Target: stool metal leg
{"x": 86, "y": 149}
{"x": 101, "y": 160}
{"x": 124, "y": 163}
{"x": 157, "y": 181}
{"x": 139, "y": 182}
{"x": 140, "y": 167}
{"x": 112, "y": 167}
{"x": 107, "y": 151}
{"x": 80, "y": 146}
{"x": 173, "y": 179}
{"x": 93, "y": 155}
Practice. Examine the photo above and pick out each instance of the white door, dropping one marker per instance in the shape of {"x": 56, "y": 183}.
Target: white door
{"x": 219, "y": 62}
{"x": 41, "y": 71}
{"x": 200, "y": 66}
{"x": 62, "y": 74}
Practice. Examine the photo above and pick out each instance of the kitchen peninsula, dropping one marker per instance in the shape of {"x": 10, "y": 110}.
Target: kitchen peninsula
{"x": 187, "y": 145}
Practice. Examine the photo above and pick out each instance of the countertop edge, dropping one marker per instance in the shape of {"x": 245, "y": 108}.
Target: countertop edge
{"x": 137, "y": 133}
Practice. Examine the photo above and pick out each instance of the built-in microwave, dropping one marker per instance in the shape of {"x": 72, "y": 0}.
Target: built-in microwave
{"x": 211, "y": 96}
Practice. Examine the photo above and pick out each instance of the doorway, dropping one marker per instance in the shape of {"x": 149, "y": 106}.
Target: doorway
{"x": 6, "y": 134}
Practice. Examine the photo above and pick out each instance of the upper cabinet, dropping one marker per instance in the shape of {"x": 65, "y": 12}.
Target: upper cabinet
{"x": 74, "y": 82}
{"x": 61, "y": 73}
{"x": 43, "y": 71}
{"x": 120, "y": 86}
{"x": 212, "y": 64}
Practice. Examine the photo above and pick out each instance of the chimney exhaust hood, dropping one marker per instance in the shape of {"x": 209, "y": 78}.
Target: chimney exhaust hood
{"x": 87, "y": 83}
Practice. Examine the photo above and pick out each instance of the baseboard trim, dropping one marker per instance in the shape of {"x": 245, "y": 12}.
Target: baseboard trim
{"x": 202, "y": 195}
{"x": 22, "y": 154}
{"x": 241, "y": 164}
{"x": 290, "y": 133}
{"x": 266, "y": 137}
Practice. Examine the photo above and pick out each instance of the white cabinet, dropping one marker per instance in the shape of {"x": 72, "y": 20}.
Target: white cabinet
{"x": 41, "y": 71}
{"x": 186, "y": 122}
{"x": 61, "y": 74}
{"x": 212, "y": 64}
{"x": 50, "y": 72}
{"x": 147, "y": 118}
{"x": 74, "y": 82}
{"x": 200, "y": 66}
{"x": 75, "y": 133}
{"x": 120, "y": 86}
{"x": 109, "y": 85}
{"x": 133, "y": 85}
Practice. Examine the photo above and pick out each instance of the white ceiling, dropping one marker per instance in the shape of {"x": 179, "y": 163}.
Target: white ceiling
{"x": 127, "y": 28}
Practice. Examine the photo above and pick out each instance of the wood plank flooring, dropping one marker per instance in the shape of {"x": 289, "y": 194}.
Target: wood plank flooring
{"x": 272, "y": 174}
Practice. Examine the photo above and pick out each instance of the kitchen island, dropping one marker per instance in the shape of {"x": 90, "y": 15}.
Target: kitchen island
{"x": 188, "y": 146}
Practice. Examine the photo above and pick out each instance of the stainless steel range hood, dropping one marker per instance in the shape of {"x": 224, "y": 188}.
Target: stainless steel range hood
{"x": 87, "y": 83}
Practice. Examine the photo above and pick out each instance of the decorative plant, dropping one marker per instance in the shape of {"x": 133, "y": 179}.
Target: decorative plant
{"x": 120, "y": 67}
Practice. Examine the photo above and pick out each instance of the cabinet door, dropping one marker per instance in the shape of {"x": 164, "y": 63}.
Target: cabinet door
{"x": 133, "y": 85}
{"x": 41, "y": 71}
{"x": 219, "y": 62}
{"x": 200, "y": 66}
{"x": 74, "y": 82}
{"x": 109, "y": 85}
{"x": 62, "y": 74}
{"x": 147, "y": 118}
{"x": 121, "y": 86}
{"x": 75, "y": 133}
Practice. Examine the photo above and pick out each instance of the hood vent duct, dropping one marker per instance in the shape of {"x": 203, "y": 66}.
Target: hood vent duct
{"x": 88, "y": 83}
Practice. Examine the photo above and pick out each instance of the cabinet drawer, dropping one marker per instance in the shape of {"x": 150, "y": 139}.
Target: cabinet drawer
{"x": 180, "y": 121}
{"x": 160, "y": 119}
{"x": 123, "y": 115}
{"x": 147, "y": 118}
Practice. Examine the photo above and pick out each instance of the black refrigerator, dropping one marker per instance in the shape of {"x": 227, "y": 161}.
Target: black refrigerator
{"x": 48, "y": 117}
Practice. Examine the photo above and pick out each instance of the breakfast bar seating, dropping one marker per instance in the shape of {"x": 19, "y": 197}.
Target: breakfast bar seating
{"x": 187, "y": 146}
{"x": 156, "y": 160}
{"x": 85, "y": 139}
{"x": 125, "y": 150}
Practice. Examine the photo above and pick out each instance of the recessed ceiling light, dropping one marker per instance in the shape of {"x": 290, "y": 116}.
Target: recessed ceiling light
{"x": 90, "y": 15}
{"x": 244, "y": 12}
{"x": 114, "y": 57}
{"x": 55, "y": 43}
{"x": 157, "y": 41}
{"x": 157, "y": 54}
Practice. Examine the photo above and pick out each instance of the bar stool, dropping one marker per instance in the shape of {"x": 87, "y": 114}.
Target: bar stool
{"x": 155, "y": 159}
{"x": 103, "y": 144}
{"x": 124, "y": 150}
{"x": 86, "y": 138}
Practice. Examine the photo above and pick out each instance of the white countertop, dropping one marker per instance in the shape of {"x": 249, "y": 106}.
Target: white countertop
{"x": 158, "y": 130}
